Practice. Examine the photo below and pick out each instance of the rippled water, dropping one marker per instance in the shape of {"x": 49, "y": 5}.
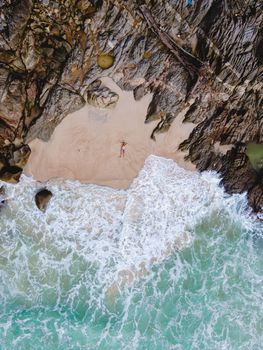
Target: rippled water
{"x": 171, "y": 263}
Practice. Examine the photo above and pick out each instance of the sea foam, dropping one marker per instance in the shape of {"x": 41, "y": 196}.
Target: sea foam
{"x": 118, "y": 228}
{"x": 93, "y": 242}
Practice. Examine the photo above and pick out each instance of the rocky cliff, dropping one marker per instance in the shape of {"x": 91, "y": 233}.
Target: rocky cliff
{"x": 206, "y": 56}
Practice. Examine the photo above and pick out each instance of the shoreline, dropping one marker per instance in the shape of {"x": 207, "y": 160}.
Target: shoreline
{"x": 85, "y": 146}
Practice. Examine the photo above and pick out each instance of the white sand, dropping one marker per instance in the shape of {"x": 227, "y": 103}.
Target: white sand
{"x": 86, "y": 145}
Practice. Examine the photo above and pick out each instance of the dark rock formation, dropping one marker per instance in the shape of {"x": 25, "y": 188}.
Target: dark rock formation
{"x": 207, "y": 57}
{"x": 11, "y": 174}
{"x": 42, "y": 198}
{"x": 100, "y": 96}
{"x": 11, "y": 165}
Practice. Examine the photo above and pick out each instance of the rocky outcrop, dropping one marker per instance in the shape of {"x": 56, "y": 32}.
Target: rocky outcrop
{"x": 42, "y": 198}
{"x": 11, "y": 174}
{"x": 12, "y": 161}
{"x": 100, "y": 96}
{"x": 206, "y": 57}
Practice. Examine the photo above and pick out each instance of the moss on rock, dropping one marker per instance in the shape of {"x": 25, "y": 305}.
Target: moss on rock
{"x": 105, "y": 61}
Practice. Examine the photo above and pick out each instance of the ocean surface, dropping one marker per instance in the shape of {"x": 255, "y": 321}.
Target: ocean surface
{"x": 171, "y": 263}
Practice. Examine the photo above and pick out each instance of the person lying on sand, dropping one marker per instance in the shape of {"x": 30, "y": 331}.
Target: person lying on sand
{"x": 122, "y": 150}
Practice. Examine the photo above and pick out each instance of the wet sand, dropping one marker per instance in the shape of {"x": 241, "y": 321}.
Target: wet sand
{"x": 86, "y": 145}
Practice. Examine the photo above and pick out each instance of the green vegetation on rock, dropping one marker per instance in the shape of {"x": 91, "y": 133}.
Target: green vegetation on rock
{"x": 105, "y": 61}
{"x": 255, "y": 154}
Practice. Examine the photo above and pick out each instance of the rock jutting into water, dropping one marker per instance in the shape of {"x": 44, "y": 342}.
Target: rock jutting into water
{"x": 206, "y": 57}
{"x": 11, "y": 174}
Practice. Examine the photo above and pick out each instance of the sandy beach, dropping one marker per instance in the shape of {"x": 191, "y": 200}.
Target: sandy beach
{"x": 86, "y": 145}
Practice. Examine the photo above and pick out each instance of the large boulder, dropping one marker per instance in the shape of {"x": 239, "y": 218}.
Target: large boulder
{"x": 42, "y": 198}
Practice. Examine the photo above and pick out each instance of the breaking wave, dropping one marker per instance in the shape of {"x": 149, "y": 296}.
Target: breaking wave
{"x": 170, "y": 263}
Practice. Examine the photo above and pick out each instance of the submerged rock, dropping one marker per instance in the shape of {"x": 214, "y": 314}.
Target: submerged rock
{"x": 42, "y": 198}
{"x": 3, "y": 200}
{"x": 3, "y": 204}
{"x": 2, "y": 190}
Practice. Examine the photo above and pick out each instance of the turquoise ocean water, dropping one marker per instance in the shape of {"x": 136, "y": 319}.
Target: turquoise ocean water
{"x": 171, "y": 263}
